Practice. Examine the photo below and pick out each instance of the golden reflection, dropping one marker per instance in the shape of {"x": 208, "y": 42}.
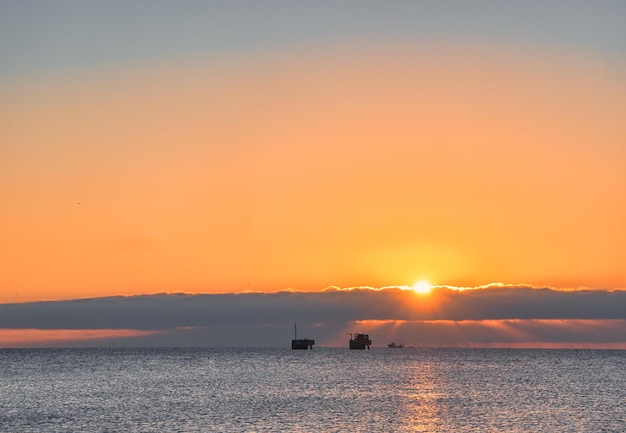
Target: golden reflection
{"x": 423, "y": 397}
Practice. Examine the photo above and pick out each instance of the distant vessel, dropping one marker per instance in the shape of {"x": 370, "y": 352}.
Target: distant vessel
{"x": 300, "y": 344}
{"x": 360, "y": 341}
{"x": 393, "y": 345}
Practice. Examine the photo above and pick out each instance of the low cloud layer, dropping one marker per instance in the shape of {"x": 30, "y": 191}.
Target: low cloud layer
{"x": 513, "y": 316}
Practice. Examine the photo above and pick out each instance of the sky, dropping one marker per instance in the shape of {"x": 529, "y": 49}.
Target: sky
{"x": 200, "y": 149}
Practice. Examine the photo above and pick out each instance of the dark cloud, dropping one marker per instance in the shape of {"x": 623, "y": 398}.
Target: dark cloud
{"x": 489, "y": 315}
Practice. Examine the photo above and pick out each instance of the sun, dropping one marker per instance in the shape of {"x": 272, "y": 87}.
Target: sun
{"x": 422, "y": 287}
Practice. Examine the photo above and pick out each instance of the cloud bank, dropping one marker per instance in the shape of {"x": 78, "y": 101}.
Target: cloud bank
{"x": 489, "y": 316}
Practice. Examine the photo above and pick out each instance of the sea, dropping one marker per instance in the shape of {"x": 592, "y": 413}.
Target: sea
{"x": 319, "y": 390}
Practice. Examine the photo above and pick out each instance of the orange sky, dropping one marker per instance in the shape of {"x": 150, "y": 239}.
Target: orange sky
{"x": 378, "y": 166}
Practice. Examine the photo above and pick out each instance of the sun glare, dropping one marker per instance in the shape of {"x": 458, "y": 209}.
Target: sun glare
{"x": 422, "y": 287}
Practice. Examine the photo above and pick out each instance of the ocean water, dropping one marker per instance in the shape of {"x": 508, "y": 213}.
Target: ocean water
{"x": 323, "y": 390}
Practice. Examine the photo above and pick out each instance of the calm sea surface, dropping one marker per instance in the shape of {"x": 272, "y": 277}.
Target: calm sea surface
{"x": 323, "y": 390}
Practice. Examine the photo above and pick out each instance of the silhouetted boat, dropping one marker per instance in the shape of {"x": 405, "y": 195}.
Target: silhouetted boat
{"x": 300, "y": 344}
{"x": 360, "y": 341}
{"x": 393, "y": 345}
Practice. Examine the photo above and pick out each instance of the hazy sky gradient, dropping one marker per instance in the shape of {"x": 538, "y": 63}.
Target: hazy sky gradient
{"x": 223, "y": 147}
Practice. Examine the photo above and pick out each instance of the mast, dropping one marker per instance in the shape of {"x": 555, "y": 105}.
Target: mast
{"x": 304, "y": 343}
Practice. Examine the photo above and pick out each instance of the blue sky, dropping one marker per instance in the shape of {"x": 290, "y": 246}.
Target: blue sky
{"x": 39, "y": 37}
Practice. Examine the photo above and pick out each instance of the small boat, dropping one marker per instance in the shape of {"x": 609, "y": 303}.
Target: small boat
{"x": 302, "y": 343}
{"x": 360, "y": 341}
{"x": 393, "y": 345}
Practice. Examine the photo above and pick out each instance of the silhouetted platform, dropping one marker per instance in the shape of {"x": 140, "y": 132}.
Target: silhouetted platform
{"x": 302, "y": 344}
{"x": 360, "y": 341}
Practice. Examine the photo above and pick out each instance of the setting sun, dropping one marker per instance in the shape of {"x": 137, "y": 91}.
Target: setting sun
{"x": 422, "y": 287}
